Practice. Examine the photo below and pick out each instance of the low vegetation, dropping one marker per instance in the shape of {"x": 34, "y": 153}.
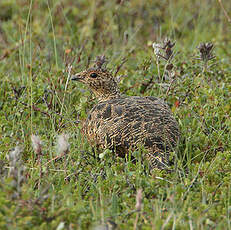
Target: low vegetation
{"x": 176, "y": 50}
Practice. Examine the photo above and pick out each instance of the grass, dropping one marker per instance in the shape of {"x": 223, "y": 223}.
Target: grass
{"x": 39, "y": 189}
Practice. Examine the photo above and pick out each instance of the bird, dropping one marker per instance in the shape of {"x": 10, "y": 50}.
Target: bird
{"x": 125, "y": 123}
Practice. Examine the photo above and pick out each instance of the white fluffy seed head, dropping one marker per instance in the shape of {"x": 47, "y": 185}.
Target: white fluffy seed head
{"x": 62, "y": 143}
{"x": 157, "y": 48}
{"x": 15, "y": 155}
{"x": 36, "y": 144}
{"x": 139, "y": 200}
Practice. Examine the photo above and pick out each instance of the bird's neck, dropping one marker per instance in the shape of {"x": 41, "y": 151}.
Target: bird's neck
{"x": 108, "y": 96}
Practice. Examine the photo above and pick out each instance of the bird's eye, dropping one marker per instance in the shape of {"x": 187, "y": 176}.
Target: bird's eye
{"x": 93, "y": 75}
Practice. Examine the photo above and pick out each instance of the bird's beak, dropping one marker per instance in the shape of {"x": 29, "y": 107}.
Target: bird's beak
{"x": 76, "y": 77}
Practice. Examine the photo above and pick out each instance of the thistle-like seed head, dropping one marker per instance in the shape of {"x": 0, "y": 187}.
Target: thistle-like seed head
{"x": 206, "y": 50}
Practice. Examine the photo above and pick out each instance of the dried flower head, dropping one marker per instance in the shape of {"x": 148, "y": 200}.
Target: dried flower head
{"x": 36, "y": 144}
{"x": 168, "y": 45}
{"x": 62, "y": 143}
{"x": 139, "y": 200}
{"x": 166, "y": 48}
{"x": 206, "y": 50}
{"x": 100, "y": 61}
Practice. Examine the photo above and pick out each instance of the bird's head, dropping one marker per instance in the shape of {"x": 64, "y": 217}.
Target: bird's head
{"x": 101, "y": 81}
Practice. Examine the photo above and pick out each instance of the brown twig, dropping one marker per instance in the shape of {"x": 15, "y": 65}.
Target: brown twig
{"x": 145, "y": 85}
{"x": 225, "y": 12}
{"x": 56, "y": 158}
{"x": 170, "y": 86}
{"x": 120, "y": 66}
{"x": 136, "y": 221}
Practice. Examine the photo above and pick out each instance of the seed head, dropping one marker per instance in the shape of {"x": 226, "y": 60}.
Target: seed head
{"x": 157, "y": 47}
{"x": 139, "y": 200}
{"x": 100, "y": 60}
{"x": 36, "y": 144}
{"x": 206, "y": 50}
{"x": 15, "y": 155}
{"x": 62, "y": 143}
{"x": 166, "y": 48}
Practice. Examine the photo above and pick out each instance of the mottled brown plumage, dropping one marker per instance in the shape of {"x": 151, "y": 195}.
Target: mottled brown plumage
{"x": 123, "y": 124}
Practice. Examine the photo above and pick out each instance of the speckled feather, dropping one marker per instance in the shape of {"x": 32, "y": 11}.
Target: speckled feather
{"x": 122, "y": 123}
